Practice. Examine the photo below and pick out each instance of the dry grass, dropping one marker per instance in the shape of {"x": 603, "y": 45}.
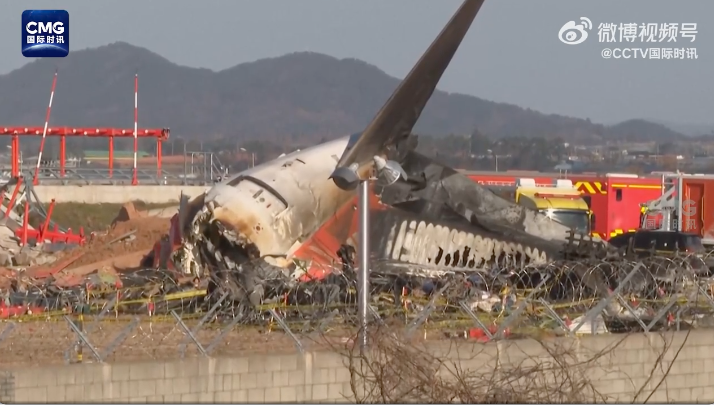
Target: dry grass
{"x": 93, "y": 217}
{"x": 39, "y": 343}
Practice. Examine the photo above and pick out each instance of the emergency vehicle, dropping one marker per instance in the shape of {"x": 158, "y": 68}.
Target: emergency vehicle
{"x": 614, "y": 199}
{"x": 686, "y": 204}
{"x": 560, "y": 201}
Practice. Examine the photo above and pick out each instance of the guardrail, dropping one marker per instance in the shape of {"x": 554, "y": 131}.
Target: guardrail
{"x": 654, "y": 294}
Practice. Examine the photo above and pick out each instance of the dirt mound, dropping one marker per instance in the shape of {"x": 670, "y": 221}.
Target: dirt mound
{"x": 149, "y": 230}
{"x": 127, "y": 212}
{"x": 146, "y": 232}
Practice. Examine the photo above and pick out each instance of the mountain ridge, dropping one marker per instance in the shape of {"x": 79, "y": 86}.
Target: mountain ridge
{"x": 301, "y": 95}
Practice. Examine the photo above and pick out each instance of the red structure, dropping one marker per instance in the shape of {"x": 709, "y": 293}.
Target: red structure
{"x": 160, "y": 135}
{"x": 13, "y": 198}
{"x": 44, "y": 233}
{"x": 62, "y": 132}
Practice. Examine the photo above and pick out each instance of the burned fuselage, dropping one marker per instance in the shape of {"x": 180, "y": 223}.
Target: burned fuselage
{"x": 482, "y": 227}
{"x": 272, "y": 209}
{"x": 263, "y": 212}
{"x": 439, "y": 221}
{"x": 269, "y": 213}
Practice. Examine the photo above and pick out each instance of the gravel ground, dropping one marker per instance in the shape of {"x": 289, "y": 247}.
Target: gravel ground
{"x": 37, "y": 343}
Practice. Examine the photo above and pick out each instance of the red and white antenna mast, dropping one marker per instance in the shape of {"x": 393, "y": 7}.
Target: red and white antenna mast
{"x": 44, "y": 132}
{"x": 134, "y": 179}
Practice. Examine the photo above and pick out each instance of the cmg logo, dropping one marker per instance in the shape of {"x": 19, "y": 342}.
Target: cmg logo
{"x": 45, "y": 33}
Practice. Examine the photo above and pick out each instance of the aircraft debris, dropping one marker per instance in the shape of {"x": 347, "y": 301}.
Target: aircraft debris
{"x": 250, "y": 244}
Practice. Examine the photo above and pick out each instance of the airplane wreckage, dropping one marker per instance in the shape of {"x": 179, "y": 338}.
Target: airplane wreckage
{"x": 283, "y": 233}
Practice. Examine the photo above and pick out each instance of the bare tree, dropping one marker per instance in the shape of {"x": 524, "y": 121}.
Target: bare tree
{"x": 396, "y": 369}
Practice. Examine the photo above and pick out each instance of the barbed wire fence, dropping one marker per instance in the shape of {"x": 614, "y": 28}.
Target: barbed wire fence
{"x": 567, "y": 298}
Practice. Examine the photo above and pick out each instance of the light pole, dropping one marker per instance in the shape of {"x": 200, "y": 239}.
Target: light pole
{"x": 347, "y": 178}
{"x": 495, "y": 158}
{"x": 185, "y": 164}
{"x": 252, "y": 156}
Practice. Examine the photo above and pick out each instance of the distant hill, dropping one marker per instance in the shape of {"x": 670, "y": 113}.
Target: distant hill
{"x": 694, "y": 130}
{"x": 301, "y": 95}
{"x": 642, "y": 130}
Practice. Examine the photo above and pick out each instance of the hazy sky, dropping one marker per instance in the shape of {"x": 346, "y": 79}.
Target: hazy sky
{"x": 512, "y": 53}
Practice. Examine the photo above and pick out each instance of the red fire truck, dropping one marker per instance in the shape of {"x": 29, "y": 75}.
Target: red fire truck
{"x": 615, "y": 199}
{"x": 691, "y": 211}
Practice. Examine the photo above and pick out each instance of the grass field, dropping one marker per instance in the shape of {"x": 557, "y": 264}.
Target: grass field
{"x": 93, "y": 217}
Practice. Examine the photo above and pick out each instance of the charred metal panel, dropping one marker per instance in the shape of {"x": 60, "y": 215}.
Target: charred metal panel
{"x": 428, "y": 245}
{"x": 439, "y": 192}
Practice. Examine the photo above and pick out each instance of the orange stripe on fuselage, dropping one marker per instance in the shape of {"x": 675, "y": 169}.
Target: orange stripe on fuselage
{"x": 319, "y": 252}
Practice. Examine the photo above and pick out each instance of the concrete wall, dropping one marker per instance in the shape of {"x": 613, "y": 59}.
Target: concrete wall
{"x": 115, "y": 193}
{"x": 322, "y": 376}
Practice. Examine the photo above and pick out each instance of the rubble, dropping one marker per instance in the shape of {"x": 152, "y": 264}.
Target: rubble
{"x": 132, "y": 231}
{"x": 22, "y": 258}
{"x": 145, "y": 231}
{"x": 5, "y": 259}
{"x": 245, "y": 291}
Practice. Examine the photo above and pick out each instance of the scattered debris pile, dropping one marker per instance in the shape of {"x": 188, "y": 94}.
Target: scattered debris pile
{"x": 131, "y": 231}
{"x": 643, "y": 290}
{"x": 122, "y": 247}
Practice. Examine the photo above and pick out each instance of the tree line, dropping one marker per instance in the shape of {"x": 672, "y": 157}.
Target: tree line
{"x": 477, "y": 151}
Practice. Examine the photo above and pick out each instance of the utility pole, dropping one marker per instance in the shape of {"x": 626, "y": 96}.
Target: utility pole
{"x": 185, "y": 164}
{"x": 364, "y": 266}
{"x": 252, "y": 156}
